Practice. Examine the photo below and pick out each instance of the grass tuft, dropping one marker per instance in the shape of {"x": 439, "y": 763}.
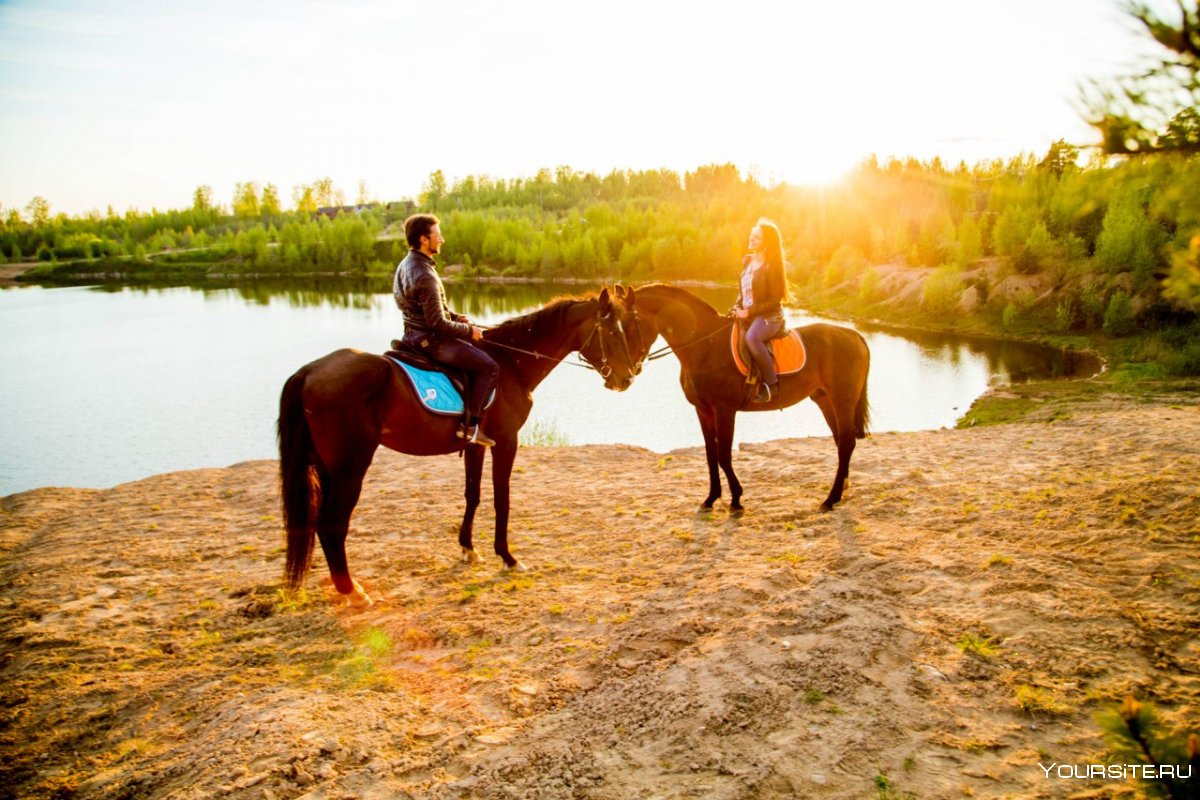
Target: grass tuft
{"x": 977, "y": 645}
{"x": 543, "y": 434}
{"x": 1034, "y": 699}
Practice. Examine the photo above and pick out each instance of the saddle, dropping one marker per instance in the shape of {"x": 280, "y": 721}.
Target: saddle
{"x": 439, "y": 388}
{"x": 787, "y": 348}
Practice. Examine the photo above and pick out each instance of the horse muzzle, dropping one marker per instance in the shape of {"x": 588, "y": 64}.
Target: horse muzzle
{"x": 618, "y": 384}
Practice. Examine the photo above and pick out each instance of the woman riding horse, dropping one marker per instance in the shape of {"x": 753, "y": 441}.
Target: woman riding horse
{"x": 763, "y": 291}
{"x": 834, "y": 375}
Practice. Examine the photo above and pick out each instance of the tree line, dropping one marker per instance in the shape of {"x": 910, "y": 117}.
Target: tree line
{"x": 1137, "y": 218}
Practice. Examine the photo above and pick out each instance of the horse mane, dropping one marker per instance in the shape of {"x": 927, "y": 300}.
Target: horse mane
{"x": 679, "y": 295}
{"x": 549, "y": 318}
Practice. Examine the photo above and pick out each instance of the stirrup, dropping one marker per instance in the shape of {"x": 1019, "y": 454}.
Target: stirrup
{"x": 765, "y": 393}
{"x": 474, "y": 435}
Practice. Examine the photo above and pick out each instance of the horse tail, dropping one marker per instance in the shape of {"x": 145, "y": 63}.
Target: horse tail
{"x": 301, "y": 488}
{"x": 862, "y": 410}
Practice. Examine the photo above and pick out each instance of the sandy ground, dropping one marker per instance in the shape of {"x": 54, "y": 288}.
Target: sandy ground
{"x": 650, "y": 651}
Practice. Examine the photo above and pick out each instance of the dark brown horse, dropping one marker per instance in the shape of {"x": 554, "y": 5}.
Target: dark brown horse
{"x": 834, "y": 376}
{"x": 335, "y": 412}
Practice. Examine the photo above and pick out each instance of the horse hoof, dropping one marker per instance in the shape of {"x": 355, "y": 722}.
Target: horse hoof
{"x": 516, "y": 566}
{"x": 357, "y": 598}
{"x": 469, "y": 556}
{"x": 737, "y": 511}
{"x": 825, "y": 508}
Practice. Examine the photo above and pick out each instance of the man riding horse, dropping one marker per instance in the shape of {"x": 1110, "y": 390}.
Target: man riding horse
{"x": 431, "y": 328}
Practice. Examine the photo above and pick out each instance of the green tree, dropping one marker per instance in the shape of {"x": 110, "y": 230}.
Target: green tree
{"x": 326, "y": 194}
{"x": 1182, "y": 285}
{"x": 305, "y": 199}
{"x": 1128, "y": 240}
{"x": 1060, "y": 158}
{"x": 713, "y": 179}
{"x": 1039, "y": 246}
{"x": 970, "y": 241}
{"x": 202, "y": 200}
{"x": 245, "y": 200}
{"x": 1183, "y": 131}
{"x": 1012, "y": 230}
{"x": 433, "y": 190}
{"x": 38, "y": 210}
{"x": 1133, "y": 113}
{"x": 942, "y": 290}
{"x": 270, "y": 205}
{"x": 1118, "y": 316}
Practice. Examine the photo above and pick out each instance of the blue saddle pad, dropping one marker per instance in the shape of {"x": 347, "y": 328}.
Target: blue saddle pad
{"x": 435, "y": 390}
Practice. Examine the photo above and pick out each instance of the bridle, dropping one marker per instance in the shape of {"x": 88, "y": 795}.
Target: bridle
{"x": 635, "y": 367}
{"x": 604, "y": 369}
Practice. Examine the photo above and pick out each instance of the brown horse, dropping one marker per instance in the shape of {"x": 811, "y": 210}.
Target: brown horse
{"x": 335, "y": 412}
{"x": 834, "y": 376}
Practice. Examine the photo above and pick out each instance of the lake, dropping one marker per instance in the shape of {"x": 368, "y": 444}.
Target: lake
{"x": 102, "y": 385}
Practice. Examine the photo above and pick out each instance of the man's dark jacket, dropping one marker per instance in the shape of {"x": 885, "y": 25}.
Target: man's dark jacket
{"x": 422, "y": 299}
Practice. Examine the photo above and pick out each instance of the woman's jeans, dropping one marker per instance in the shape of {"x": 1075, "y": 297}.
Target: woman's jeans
{"x": 761, "y": 329}
{"x": 481, "y": 370}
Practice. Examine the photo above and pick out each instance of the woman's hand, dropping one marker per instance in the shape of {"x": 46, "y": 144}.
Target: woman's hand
{"x": 741, "y": 313}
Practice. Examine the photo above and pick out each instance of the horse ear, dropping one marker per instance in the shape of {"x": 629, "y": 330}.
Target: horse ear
{"x": 620, "y": 292}
{"x": 629, "y": 297}
{"x": 605, "y": 301}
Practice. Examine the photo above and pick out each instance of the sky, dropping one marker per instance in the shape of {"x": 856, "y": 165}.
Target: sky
{"x": 135, "y": 104}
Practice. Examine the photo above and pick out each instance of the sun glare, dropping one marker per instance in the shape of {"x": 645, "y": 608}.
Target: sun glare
{"x": 819, "y": 169}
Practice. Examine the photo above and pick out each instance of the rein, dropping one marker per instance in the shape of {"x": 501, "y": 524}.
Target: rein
{"x": 667, "y": 350}
{"x": 604, "y": 369}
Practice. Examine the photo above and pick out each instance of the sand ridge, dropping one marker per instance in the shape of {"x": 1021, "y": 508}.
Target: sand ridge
{"x": 961, "y": 617}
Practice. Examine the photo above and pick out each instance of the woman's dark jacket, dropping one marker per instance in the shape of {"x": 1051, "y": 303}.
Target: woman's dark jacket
{"x": 421, "y": 298}
{"x": 768, "y": 290}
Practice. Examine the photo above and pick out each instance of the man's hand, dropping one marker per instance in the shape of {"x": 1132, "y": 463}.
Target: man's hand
{"x": 741, "y": 313}
{"x": 476, "y": 333}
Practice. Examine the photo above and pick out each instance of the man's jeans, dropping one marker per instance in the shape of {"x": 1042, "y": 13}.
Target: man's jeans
{"x": 480, "y": 370}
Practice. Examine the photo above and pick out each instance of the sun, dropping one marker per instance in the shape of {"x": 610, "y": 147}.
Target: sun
{"x": 811, "y": 167}
{"x": 818, "y": 172}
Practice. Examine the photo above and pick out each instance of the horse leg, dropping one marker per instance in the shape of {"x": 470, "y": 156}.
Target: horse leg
{"x": 843, "y": 435}
{"x": 473, "y": 462}
{"x": 340, "y": 489}
{"x": 725, "y": 419}
{"x": 503, "y": 455}
{"x": 708, "y": 427}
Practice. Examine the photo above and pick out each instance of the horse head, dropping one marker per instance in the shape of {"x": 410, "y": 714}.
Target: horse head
{"x": 640, "y": 328}
{"x": 609, "y": 347}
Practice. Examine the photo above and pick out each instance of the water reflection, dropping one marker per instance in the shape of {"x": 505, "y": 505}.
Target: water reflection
{"x": 1008, "y": 360}
{"x": 491, "y": 302}
{"x": 100, "y": 385}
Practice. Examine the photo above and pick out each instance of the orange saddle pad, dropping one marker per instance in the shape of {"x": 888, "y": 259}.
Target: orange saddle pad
{"x": 788, "y": 351}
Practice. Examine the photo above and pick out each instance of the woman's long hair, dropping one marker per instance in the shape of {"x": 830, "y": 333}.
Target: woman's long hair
{"x": 773, "y": 251}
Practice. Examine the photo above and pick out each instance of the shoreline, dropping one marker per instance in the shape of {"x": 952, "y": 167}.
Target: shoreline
{"x": 8, "y": 273}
